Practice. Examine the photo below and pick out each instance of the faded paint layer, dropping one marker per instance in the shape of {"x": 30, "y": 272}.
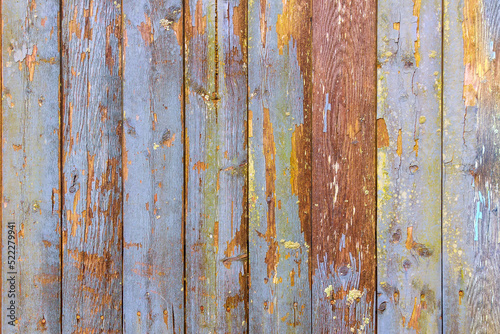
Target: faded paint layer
{"x": 216, "y": 167}
{"x": 471, "y": 235}
{"x": 280, "y": 165}
{"x": 409, "y": 167}
{"x": 153, "y": 296}
{"x": 30, "y": 167}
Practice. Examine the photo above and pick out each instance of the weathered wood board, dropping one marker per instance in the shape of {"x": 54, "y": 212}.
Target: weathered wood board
{"x": 153, "y": 168}
{"x": 471, "y": 171}
{"x": 92, "y": 167}
{"x": 343, "y": 134}
{"x": 216, "y": 163}
{"x": 409, "y": 166}
{"x": 30, "y": 167}
{"x": 279, "y": 130}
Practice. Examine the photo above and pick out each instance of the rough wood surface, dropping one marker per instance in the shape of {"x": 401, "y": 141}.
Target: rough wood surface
{"x": 92, "y": 180}
{"x": 30, "y": 157}
{"x": 153, "y": 265}
{"x": 280, "y": 165}
{"x": 409, "y": 166}
{"x": 471, "y": 258}
{"x": 343, "y": 210}
{"x": 216, "y": 162}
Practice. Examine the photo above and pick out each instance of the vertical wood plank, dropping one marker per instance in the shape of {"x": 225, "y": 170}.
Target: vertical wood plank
{"x": 92, "y": 167}
{"x": 30, "y": 161}
{"x": 280, "y": 165}
{"x": 344, "y": 102}
{"x": 409, "y": 166}
{"x": 470, "y": 164}
{"x": 153, "y": 168}
{"x": 216, "y": 162}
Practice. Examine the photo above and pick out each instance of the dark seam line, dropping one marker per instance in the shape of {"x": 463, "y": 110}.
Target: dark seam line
{"x": 61, "y": 163}
{"x": 122, "y": 142}
{"x": 185, "y": 165}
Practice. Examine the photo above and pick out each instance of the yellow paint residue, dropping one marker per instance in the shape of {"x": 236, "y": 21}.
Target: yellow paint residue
{"x": 415, "y": 147}
{"x": 329, "y": 291}
{"x": 292, "y": 245}
{"x": 353, "y": 295}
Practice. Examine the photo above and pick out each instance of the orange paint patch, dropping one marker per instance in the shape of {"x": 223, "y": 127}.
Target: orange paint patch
{"x": 31, "y": 62}
{"x": 73, "y": 25}
{"x": 399, "y": 150}
{"x": 382, "y": 133}
{"x": 146, "y": 30}
{"x": 415, "y": 315}
{"x": 200, "y": 166}
{"x": 169, "y": 142}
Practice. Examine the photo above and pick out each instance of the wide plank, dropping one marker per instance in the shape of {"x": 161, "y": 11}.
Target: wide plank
{"x": 409, "y": 166}
{"x": 92, "y": 167}
{"x": 216, "y": 166}
{"x": 30, "y": 167}
{"x": 471, "y": 172}
{"x": 344, "y": 175}
{"x": 153, "y": 169}
{"x": 279, "y": 132}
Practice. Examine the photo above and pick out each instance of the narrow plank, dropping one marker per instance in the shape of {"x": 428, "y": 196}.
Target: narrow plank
{"x": 471, "y": 235}
{"x": 153, "y": 300}
{"x": 344, "y": 102}
{"x": 92, "y": 167}
{"x": 30, "y": 161}
{"x": 280, "y": 165}
{"x": 409, "y": 166}
{"x": 216, "y": 162}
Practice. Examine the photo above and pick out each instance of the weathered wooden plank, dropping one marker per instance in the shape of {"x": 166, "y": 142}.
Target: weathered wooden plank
{"x": 216, "y": 162}
{"x": 153, "y": 168}
{"x": 344, "y": 102}
{"x": 30, "y": 174}
{"x": 153, "y": 296}
{"x": 409, "y": 166}
{"x": 280, "y": 165}
{"x": 92, "y": 167}
{"x": 471, "y": 262}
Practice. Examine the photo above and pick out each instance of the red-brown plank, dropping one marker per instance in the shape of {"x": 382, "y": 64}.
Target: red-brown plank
{"x": 344, "y": 109}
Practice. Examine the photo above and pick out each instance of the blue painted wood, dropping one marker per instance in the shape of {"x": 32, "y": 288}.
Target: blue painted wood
{"x": 30, "y": 167}
{"x": 471, "y": 173}
{"x": 153, "y": 295}
{"x": 216, "y": 163}
{"x": 92, "y": 167}
{"x": 279, "y": 166}
{"x": 409, "y": 167}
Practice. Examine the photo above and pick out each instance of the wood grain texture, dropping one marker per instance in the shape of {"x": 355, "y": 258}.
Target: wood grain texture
{"x": 409, "y": 166}
{"x": 471, "y": 235}
{"x": 92, "y": 167}
{"x": 344, "y": 102}
{"x": 153, "y": 168}
{"x": 280, "y": 165}
{"x": 216, "y": 162}
{"x": 30, "y": 165}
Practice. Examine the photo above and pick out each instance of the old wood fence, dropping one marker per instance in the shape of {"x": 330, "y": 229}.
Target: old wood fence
{"x": 270, "y": 166}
